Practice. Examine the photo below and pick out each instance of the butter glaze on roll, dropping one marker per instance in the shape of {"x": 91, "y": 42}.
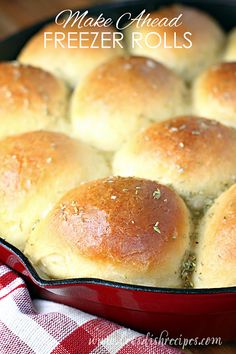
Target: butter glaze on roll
{"x": 123, "y": 96}
{"x": 115, "y": 229}
{"x": 36, "y": 169}
{"x": 196, "y": 156}
{"x": 31, "y": 99}
{"x": 216, "y": 251}
{"x": 214, "y": 93}
{"x": 70, "y": 64}
{"x": 206, "y": 36}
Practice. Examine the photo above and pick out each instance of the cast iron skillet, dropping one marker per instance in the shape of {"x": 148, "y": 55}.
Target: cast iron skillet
{"x": 188, "y": 313}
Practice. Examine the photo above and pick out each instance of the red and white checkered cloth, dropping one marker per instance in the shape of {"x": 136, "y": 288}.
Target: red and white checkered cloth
{"x": 42, "y": 327}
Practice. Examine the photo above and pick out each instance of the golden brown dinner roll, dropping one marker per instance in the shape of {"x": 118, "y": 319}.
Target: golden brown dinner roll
{"x": 36, "y": 169}
{"x": 230, "y": 52}
{"x": 121, "y": 229}
{"x": 30, "y": 99}
{"x": 216, "y": 251}
{"x": 121, "y": 97}
{"x": 70, "y": 64}
{"x": 214, "y": 93}
{"x": 193, "y": 44}
{"x": 196, "y": 156}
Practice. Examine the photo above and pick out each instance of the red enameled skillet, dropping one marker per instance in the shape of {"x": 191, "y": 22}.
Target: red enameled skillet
{"x": 187, "y": 313}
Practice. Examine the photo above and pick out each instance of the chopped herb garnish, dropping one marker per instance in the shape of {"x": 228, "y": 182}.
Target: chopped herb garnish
{"x": 156, "y": 194}
{"x": 187, "y": 269}
{"x": 156, "y": 227}
{"x": 195, "y": 132}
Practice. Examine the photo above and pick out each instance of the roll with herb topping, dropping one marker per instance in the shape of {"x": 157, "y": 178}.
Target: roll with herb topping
{"x": 216, "y": 251}
{"x": 31, "y": 99}
{"x": 121, "y": 229}
{"x": 71, "y": 52}
{"x": 196, "y": 156}
{"x": 123, "y": 96}
{"x": 214, "y": 93}
{"x": 196, "y": 42}
{"x": 36, "y": 169}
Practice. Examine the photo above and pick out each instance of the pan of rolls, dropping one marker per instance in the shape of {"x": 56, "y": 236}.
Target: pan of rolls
{"x": 118, "y": 170}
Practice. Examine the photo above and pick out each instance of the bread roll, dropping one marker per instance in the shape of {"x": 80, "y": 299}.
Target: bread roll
{"x": 168, "y": 44}
{"x": 214, "y": 93}
{"x": 196, "y": 156}
{"x": 230, "y": 52}
{"x": 36, "y": 169}
{"x": 216, "y": 252}
{"x": 70, "y": 64}
{"x": 120, "y": 229}
{"x": 123, "y": 96}
{"x": 30, "y": 99}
